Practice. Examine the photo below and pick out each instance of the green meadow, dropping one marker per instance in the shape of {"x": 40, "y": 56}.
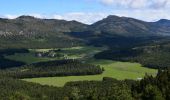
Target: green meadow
{"x": 71, "y": 53}
{"x": 28, "y": 58}
{"x": 118, "y": 70}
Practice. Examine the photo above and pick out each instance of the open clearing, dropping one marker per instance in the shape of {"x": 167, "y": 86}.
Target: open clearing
{"x": 84, "y": 52}
{"x": 118, "y": 70}
{"x": 28, "y": 58}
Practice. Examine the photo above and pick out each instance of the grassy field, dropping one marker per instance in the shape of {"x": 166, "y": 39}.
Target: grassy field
{"x": 71, "y": 53}
{"x": 118, "y": 70}
{"x": 28, "y": 58}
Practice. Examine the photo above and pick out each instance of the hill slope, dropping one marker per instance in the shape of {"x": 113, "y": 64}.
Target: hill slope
{"x": 31, "y": 32}
{"x": 125, "y": 26}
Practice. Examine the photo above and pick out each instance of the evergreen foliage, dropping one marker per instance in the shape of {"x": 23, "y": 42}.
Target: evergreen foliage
{"x": 53, "y": 68}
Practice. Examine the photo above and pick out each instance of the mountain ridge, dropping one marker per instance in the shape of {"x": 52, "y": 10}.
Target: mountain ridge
{"x": 28, "y": 30}
{"x": 130, "y": 26}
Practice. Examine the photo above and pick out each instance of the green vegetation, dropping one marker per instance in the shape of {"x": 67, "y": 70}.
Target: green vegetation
{"x": 153, "y": 88}
{"x": 28, "y": 58}
{"x": 29, "y": 32}
{"x": 92, "y": 90}
{"x": 118, "y": 70}
{"x": 69, "y": 53}
{"x": 51, "y": 69}
{"x": 117, "y": 39}
{"x": 114, "y": 69}
{"x": 7, "y": 63}
{"x": 149, "y": 88}
{"x": 152, "y": 56}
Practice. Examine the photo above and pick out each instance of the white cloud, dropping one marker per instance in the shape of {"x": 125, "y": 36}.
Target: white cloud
{"x": 37, "y": 15}
{"x": 57, "y": 17}
{"x": 137, "y": 3}
{"x": 107, "y": 2}
{"x": 148, "y": 10}
{"x": 160, "y": 3}
{"x": 10, "y": 16}
{"x": 146, "y": 15}
{"x": 89, "y": 17}
{"x": 83, "y": 17}
{"x": 156, "y": 4}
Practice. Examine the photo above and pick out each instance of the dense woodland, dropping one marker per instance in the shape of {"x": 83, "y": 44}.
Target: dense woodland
{"x": 149, "y": 88}
{"x": 37, "y": 42}
{"x": 52, "y": 68}
{"x": 153, "y": 55}
{"x": 6, "y": 63}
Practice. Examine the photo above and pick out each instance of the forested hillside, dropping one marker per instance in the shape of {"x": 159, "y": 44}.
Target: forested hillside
{"x": 149, "y": 88}
{"x": 153, "y": 56}
{"x": 30, "y": 32}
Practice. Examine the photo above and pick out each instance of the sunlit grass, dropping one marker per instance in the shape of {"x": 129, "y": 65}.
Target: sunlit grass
{"x": 118, "y": 70}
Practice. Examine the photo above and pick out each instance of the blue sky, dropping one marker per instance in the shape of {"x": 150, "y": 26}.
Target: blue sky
{"x": 47, "y": 6}
{"x": 86, "y": 11}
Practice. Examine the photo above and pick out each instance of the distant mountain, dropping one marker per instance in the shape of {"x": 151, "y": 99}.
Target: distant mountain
{"x": 116, "y": 32}
{"x": 164, "y": 22}
{"x": 31, "y": 32}
{"x": 28, "y": 25}
{"x": 125, "y": 26}
{"x": 121, "y": 26}
{"x": 163, "y": 27}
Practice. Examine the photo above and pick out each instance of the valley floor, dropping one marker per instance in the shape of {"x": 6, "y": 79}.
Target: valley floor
{"x": 114, "y": 69}
{"x": 118, "y": 70}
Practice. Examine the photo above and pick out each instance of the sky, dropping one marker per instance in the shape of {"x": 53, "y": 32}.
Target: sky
{"x": 86, "y": 11}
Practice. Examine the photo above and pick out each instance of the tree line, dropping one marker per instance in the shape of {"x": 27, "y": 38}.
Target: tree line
{"x": 149, "y": 88}
{"x": 53, "y": 68}
{"x": 156, "y": 56}
{"x": 6, "y": 63}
